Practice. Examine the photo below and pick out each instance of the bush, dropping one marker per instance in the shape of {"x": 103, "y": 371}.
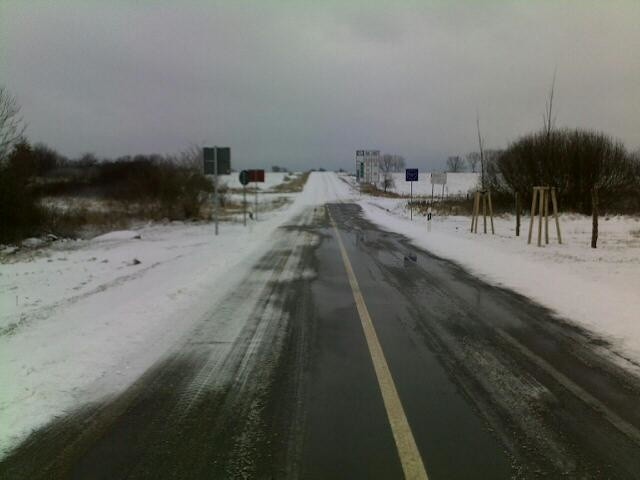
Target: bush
{"x": 155, "y": 187}
{"x": 575, "y": 162}
{"x": 20, "y": 214}
{"x": 180, "y": 191}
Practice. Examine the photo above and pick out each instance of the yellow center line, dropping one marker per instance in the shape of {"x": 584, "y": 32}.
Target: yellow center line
{"x": 410, "y": 458}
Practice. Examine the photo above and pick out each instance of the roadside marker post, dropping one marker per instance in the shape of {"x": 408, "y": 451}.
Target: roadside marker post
{"x": 411, "y": 175}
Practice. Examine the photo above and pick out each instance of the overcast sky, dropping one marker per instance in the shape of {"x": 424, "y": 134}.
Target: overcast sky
{"x": 306, "y": 83}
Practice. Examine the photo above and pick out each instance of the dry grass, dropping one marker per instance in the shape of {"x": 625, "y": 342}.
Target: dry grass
{"x": 293, "y": 185}
{"x": 376, "y": 192}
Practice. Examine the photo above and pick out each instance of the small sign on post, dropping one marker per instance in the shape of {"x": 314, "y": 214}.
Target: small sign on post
{"x": 438, "y": 179}
{"x": 411, "y": 175}
{"x": 256, "y": 176}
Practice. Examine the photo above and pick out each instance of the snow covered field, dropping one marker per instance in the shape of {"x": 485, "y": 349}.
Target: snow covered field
{"x": 83, "y": 319}
{"x": 595, "y": 288}
{"x": 458, "y": 184}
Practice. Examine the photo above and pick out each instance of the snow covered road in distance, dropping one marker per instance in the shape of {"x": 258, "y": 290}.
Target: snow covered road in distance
{"x": 244, "y": 356}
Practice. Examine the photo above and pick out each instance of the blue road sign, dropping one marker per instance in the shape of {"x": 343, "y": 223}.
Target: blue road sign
{"x": 411, "y": 175}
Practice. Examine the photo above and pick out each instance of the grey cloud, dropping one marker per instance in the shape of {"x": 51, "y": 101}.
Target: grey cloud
{"x": 306, "y": 85}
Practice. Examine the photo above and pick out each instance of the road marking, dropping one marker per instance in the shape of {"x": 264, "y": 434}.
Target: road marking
{"x": 613, "y": 418}
{"x": 410, "y": 458}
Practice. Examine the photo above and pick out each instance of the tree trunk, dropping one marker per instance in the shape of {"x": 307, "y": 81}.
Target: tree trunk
{"x": 594, "y": 214}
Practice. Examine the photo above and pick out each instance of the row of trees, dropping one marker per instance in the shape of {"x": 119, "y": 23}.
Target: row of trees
{"x": 471, "y": 162}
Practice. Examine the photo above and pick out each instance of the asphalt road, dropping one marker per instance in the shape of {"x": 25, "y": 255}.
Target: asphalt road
{"x": 359, "y": 356}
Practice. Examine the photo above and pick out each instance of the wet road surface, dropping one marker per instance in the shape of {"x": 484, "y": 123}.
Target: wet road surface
{"x": 280, "y": 382}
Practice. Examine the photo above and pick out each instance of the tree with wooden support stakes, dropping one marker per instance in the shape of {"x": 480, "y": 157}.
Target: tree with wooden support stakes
{"x": 540, "y": 199}
{"x": 483, "y": 195}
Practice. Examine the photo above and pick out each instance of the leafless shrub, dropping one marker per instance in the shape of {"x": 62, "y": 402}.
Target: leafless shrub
{"x": 12, "y": 126}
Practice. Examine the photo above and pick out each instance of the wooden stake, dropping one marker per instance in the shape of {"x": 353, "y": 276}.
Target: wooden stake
{"x": 541, "y": 209}
{"x": 477, "y": 209}
{"x": 546, "y": 215}
{"x": 484, "y": 210}
{"x": 555, "y": 214}
{"x": 594, "y": 217}
{"x": 473, "y": 212}
{"x": 493, "y": 231}
{"x": 533, "y": 213}
{"x": 517, "y": 215}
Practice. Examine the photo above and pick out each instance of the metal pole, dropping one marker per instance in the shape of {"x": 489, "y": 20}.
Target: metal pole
{"x": 215, "y": 187}
{"x": 411, "y": 201}
{"x": 244, "y": 205}
{"x": 256, "y": 186}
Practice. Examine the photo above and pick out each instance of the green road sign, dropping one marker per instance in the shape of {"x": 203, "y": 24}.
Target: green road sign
{"x": 223, "y": 155}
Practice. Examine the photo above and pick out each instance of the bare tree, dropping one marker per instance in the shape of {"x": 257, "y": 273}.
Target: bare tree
{"x": 191, "y": 158}
{"x": 473, "y": 159}
{"x": 549, "y": 120}
{"x": 12, "y": 125}
{"x": 455, "y": 164}
{"x": 481, "y": 146}
{"x": 387, "y": 181}
{"x": 391, "y": 163}
{"x": 387, "y": 165}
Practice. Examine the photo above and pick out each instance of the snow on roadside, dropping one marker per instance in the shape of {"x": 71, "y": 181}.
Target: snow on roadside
{"x": 83, "y": 319}
{"x": 596, "y": 288}
{"x": 118, "y": 235}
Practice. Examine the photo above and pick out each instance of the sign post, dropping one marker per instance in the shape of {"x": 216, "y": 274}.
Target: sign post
{"x": 244, "y": 179}
{"x": 217, "y": 160}
{"x": 255, "y": 176}
{"x": 411, "y": 175}
{"x": 438, "y": 179}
